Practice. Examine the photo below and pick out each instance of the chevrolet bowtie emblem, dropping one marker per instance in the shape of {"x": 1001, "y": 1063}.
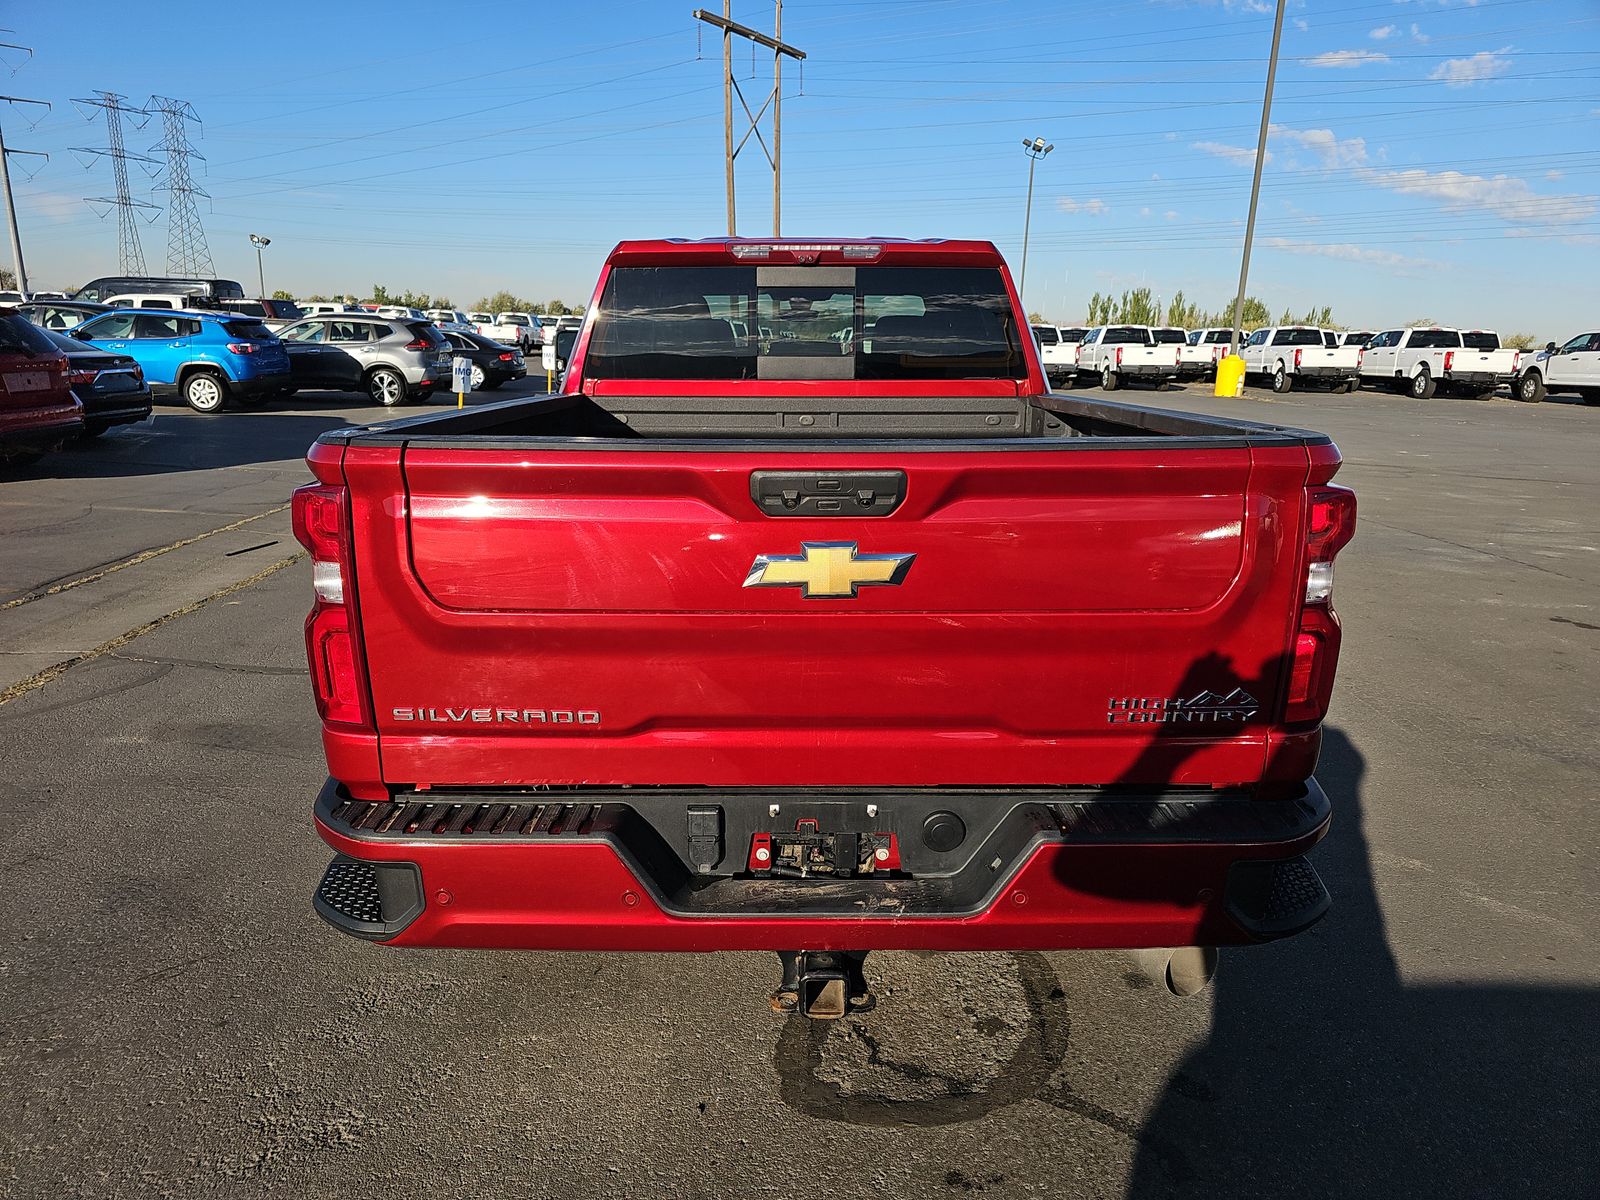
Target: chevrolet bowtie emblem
{"x": 824, "y": 570}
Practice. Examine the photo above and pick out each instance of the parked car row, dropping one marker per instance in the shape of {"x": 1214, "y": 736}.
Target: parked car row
{"x": 1421, "y": 361}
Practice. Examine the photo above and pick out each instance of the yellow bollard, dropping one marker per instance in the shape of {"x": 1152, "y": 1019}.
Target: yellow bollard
{"x": 461, "y": 399}
{"x": 1230, "y": 376}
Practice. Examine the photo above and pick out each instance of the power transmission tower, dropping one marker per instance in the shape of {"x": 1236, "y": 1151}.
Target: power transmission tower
{"x": 130, "y": 254}
{"x": 187, "y": 253}
{"x": 730, "y": 88}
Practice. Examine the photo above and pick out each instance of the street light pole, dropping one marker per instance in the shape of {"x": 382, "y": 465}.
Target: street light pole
{"x": 1255, "y": 184}
{"x": 260, "y": 243}
{"x": 1036, "y": 149}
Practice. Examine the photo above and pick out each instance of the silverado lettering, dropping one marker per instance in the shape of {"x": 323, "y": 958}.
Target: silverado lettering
{"x": 809, "y": 746}
{"x": 499, "y": 716}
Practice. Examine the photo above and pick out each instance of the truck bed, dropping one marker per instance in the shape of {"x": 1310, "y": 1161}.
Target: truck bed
{"x": 845, "y": 423}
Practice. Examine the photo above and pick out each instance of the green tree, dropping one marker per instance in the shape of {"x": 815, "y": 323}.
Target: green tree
{"x": 1037, "y": 318}
{"x": 1421, "y": 323}
{"x": 8, "y": 279}
{"x": 380, "y": 295}
{"x": 1183, "y": 313}
{"x": 1519, "y": 341}
{"x": 504, "y": 301}
{"x": 280, "y": 294}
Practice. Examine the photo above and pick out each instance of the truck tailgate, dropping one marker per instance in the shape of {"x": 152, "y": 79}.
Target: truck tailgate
{"x": 555, "y": 616}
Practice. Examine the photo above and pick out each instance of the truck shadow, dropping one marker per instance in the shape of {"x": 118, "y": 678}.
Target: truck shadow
{"x": 1324, "y": 1074}
{"x": 175, "y": 440}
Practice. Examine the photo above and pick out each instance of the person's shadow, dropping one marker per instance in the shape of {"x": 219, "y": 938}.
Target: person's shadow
{"x": 1324, "y": 1074}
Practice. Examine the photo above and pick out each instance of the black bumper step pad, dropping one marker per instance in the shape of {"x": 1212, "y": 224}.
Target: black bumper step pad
{"x": 1274, "y": 899}
{"x": 372, "y": 900}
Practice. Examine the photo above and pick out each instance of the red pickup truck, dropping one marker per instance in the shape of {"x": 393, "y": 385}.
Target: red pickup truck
{"x": 809, "y": 619}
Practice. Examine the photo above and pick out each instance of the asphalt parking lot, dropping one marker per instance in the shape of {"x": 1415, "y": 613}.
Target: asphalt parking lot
{"x": 179, "y": 1022}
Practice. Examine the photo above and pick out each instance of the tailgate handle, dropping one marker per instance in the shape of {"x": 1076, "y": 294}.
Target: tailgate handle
{"x": 827, "y": 493}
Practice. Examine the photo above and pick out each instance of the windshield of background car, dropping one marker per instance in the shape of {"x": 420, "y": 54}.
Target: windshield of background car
{"x": 18, "y": 335}
{"x": 805, "y": 323}
{"x": 1480, "y": 341}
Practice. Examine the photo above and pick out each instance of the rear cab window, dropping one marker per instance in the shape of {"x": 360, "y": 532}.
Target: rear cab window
{"x": 805, "y": 323}
{"x": 1479, "y": 340}
{"x": 1170, "y": 337}
{"x": 1047, "y": 335}
{"x": 1126, "y": 335}
{"x": 1297, "y": 337}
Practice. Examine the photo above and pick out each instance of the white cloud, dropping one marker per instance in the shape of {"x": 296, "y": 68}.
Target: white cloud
{"x": 1555, "y": 174}
{"x": 1238, "y": 155}
{"x": 1171, "y": 214}
{"x": 1302, "y": 24}
{"x": 1418, "y": 36}
{"x": 1383, "y": 32}
{"x": 1346, "y": 58}
{"x": 1144, "y": 212}
{"x": 1331, "y": 150}
{"x": 1464, "y": 72}
{"x": 1505, "y": 196}
{"x": 1344, "y": 251}
{"x": 1091, "y": 208}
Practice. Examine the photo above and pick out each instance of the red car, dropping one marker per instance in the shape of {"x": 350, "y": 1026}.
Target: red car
{"x": 810, "y": 620}
{"x": 38, "y": 411}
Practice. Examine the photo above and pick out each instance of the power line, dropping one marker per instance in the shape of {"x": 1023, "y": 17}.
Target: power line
{"x": 130, "y": 254}
{"x": 187, "y": 252}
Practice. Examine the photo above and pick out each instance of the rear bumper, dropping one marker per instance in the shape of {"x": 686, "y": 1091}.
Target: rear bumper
{"x": 254, "y": 385}
{"x": 1330, "y": 374}
{"x": 1194, "y": 370}
{"x": 1147, "y": 370}
{"x": 39, "y": 428}
{"x": 1476, "y": 378}
{"x": 591, "y": 871}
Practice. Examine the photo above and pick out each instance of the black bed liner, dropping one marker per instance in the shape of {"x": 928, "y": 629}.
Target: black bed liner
{"x": 860, "y": 424}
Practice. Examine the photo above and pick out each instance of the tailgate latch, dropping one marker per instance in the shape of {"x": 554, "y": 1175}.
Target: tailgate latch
{"x": 827, "y": 493}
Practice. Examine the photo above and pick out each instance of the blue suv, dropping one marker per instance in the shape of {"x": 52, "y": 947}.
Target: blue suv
{"x": 207, "y": 358}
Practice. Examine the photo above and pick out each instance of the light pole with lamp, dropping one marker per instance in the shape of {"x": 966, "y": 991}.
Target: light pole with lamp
{"x": 260, "y": 243}
{"x": 1036, "y": 149}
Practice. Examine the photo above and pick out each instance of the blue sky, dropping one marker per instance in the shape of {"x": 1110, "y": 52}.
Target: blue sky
{"x": 1431, "y": 158}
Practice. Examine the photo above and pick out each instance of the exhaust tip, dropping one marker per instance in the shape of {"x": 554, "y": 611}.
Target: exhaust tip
{"x": 1182, "y": 970}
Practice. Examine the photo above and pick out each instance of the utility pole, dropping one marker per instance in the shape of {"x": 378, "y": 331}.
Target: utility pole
{"x": 730, "y": 88}
{"x": 130, "y": 254}
{"x": 5, "y": 185}
{"x": 1255, "y": 183}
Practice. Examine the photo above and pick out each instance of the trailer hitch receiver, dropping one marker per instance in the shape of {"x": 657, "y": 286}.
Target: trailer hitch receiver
{"x": 823, "y": 984}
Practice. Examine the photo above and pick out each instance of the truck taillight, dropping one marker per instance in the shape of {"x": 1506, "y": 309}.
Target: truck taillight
{"x": 1449, "y": 358}
{"x": 1330, "y": 523}
{"x": 1297, "y": 354}
{"x": 1361, "y": 357}
{"x": 333, "y": 641}
{"x": 1119, "y": 356}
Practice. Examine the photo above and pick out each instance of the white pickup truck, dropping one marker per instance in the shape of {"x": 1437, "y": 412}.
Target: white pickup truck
{"x": 1287, "y": 354}
{"x": 1422, "y": 361}
{"x": 512, "y": 329}
{"x": 1117, "y": 353}
{"x": 1194, "y": 361}
{"x": 1057, "y": 351}
{"x": 1571, "y": 367}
